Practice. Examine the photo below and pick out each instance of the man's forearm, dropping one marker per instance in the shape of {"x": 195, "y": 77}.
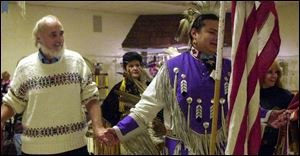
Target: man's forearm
{"x": 95, "y": 114}
{"x": 6, "y": 113}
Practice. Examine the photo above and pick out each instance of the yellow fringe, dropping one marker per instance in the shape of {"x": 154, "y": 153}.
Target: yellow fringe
{"x": 122, "y": 88}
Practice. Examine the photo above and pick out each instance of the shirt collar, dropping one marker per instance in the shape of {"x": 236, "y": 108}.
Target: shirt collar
{"x": 44, "y": 60}
{"x": 199, "y": 55}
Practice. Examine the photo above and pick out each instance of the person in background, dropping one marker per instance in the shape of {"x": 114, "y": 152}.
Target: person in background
{"x": 153, "y": 69}
{"x": 8, "y": 129}
{"x": 275, "y": 98}
{"x": 125, "y": 94}
{"x": 50, "y": 88}
{"x": 113, "y": 108}
{"x": 5, "y": 81}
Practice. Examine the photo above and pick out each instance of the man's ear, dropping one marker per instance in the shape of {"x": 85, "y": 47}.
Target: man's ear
{"x": 194, "y": 32}
{"x": 38, "y": 38}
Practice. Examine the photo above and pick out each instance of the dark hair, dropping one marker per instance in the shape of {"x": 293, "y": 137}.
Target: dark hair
{"x": 199, "y": 22}
{"x": 130, "y": 56}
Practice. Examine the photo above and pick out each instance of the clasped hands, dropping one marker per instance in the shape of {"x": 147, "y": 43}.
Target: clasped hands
{"x": 107, "y": 136}
{"x": 279, "y": 118}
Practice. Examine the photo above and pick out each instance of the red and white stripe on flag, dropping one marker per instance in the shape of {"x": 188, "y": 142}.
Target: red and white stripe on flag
{"x": 255, "y": 45}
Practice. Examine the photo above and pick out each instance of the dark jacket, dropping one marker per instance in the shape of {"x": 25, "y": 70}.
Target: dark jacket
{"x": 273, "y": 98}
{"x": 110, "y": 106}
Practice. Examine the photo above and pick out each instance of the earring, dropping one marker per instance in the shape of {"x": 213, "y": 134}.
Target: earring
{"x": 194, "y": 42}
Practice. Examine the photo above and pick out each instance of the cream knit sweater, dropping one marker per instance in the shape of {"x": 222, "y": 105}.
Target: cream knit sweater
{"x": 51, "y": 98}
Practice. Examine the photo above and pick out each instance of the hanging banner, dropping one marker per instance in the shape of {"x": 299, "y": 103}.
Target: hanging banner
{"x": 4, "y": 6}
{"x": 21, "y": 4}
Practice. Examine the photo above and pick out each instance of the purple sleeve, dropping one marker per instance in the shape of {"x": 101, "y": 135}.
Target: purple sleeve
{"x": 127, "y": 124}
{"x": 263, "y": 112}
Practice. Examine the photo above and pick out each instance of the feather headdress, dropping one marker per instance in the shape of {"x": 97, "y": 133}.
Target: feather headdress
{"x": 197, "y": 8}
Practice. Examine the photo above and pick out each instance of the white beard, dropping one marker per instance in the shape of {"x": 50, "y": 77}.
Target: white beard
{"x": 50, "y": 53}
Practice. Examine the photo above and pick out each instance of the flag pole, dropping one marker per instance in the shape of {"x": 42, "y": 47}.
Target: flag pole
{"x": 217, "y": 76}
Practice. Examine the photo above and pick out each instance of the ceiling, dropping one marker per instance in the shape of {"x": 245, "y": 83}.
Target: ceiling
{"x": 123, "y": 7}
{"x": 132, "y": 7}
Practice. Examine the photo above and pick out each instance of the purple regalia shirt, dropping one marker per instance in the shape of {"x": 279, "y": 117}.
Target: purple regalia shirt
{"x": 199, "y": 86}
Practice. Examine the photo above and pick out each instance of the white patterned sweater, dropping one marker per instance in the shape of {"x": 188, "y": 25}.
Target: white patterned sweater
{"x": 51, "y": 98}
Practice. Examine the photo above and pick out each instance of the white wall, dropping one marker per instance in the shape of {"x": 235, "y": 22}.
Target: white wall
{"x": 17, "y": 41}
{"x": 289, "y": 51}
{"x": 289, "y": 29}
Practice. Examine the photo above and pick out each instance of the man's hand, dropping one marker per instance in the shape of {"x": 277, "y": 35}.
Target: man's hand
{"x": 106, "y": 136}
{"x": 279, "y": 118}
{"x": 103, "y": 135}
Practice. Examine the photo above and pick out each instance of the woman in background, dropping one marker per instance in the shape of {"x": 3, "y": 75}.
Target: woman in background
{"x": 272, "y": 97}
{"x": 123, "y": 96}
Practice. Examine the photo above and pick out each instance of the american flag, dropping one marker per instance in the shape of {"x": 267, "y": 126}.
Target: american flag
{"x": 256, "y": 43}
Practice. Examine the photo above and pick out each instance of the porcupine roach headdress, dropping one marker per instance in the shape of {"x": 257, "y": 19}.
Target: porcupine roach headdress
{"x": 197, "y": 8}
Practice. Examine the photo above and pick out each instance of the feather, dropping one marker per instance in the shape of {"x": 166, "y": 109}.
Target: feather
{"x": 197, "y": 8}
{"x": 185, "y": 24}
